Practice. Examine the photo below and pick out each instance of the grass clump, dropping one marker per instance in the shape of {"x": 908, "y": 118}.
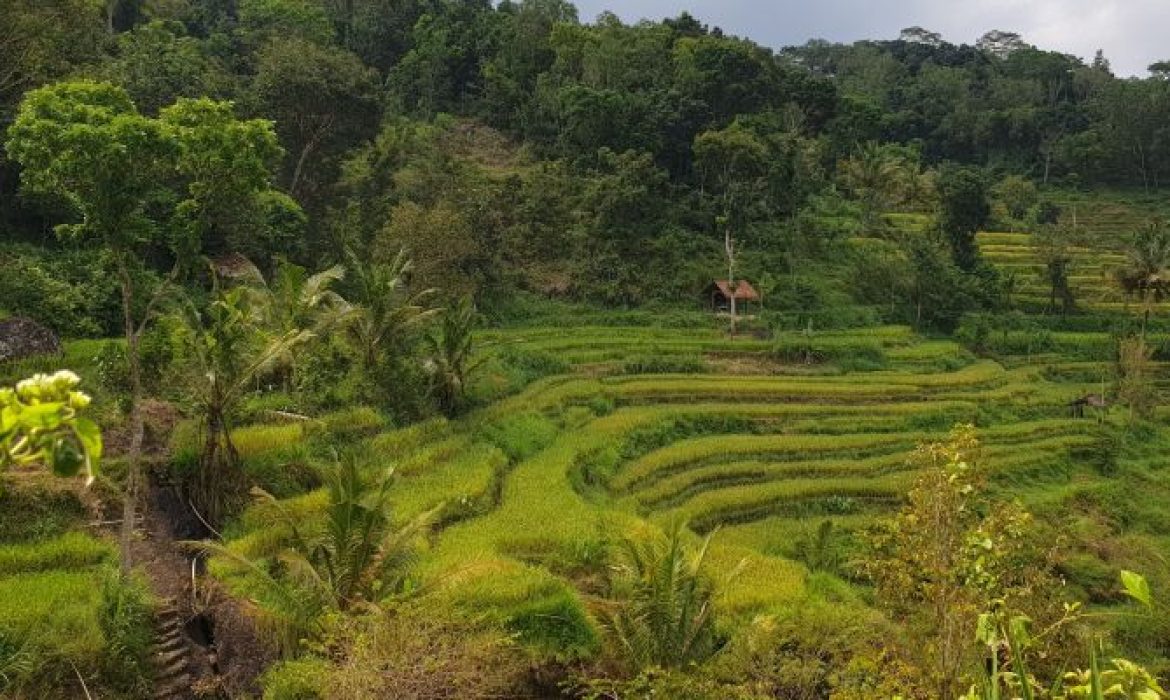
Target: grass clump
{"x": 521, "y": 436}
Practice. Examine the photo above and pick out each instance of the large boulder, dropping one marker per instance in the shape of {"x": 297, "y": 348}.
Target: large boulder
{"x": 24, "y": 337}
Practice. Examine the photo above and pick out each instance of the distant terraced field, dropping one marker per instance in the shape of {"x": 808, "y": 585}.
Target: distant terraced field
{"x": 1104, "y": 226}
{"x": 531, "y": 482}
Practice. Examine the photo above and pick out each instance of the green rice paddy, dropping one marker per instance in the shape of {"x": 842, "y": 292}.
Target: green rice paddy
{"x": 533, "y": 484}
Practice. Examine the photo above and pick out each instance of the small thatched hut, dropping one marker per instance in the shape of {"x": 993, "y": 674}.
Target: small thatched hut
{"x": 719, "y": 294}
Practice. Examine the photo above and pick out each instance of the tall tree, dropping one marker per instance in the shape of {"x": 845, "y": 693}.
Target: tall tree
{"x": 387, "y": 319}
{"x": 225, "y": 166}
{"x": 86, "y": 143}
{"x": 1054, "y": 248}
{"x": 322, "y": 100}
{"x": 874, "y": 175}
{"x": 733, "y": 166}
{"x": 450, "y": 363}
{"x": 1147, "y": 269}
{"x": 964, "y": 209}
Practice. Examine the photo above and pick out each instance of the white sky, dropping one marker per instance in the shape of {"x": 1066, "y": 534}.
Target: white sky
{"x": 1133, "y": 33}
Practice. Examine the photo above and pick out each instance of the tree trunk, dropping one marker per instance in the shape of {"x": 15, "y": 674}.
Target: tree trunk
{"x": 217, "y": 481}
{"x": 729, "y": 245}
{"x": 134, "y": 452}
{"x": 296, "y": 177}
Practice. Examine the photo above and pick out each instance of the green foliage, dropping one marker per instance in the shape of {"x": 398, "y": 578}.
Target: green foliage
{"x": 53, "y": 615}
{"x": 621, "y": 165}
{"x": 450, "y": 362}
{"x": 299, "y": 679}
{"x": 354, "y": 555}
{"x": 70, "y": 551}
{"x": 664, "y": 616}
{"x": 67, "y": 290}
{"x": 948, "y": 562}
{"x": 244, "y": 333}
{"x": 522, "y": 435}
{"x": 857, "y": 355}
{"x": 964, "y": 211}
{"x": 387, "y": 316}
{"x": 45, "y": 514}
{"x": 1017, "y": 195}
{"x": 126, "y": 617}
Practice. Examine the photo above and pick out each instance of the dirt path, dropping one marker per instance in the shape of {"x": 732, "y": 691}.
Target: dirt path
{"x": 207, "y": 646}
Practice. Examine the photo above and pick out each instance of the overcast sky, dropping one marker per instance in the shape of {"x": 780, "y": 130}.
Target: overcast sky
{"x": 1132, "y": 32}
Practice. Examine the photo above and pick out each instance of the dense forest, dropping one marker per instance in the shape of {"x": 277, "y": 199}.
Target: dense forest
{"x": 514, "y": 147}
{"x": 455, "y": 349}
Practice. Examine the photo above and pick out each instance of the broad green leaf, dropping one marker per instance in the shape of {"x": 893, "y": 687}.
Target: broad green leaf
{"x": 90, "y": 436}
{"x": 1136, "y": 587}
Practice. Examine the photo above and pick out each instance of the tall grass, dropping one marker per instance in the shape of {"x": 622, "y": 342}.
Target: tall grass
{"x": 70, "y": 552}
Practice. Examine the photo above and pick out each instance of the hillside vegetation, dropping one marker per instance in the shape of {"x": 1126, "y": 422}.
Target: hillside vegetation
{"x": 414, "y": 360}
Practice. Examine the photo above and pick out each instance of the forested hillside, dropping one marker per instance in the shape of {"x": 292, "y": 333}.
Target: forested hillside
{"x": 515, "y": 147}
{"x": 410, "y": 355}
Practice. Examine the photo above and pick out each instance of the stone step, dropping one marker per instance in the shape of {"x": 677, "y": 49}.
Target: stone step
{"x": 175, "y": 669}
{"x": 172, "y": 642}
{"x": 179, "y": 687}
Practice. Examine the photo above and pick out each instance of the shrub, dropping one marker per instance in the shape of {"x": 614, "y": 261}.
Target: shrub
{"x": 303, "y": 679}
{"x": 522, "y": 435}
{"x": 417, "y": 652}
{"x": 661, "y": 683}
{"x": 601, "y": 405}
{"x": 662, "y": 615}
{"x": 803, "y": 652}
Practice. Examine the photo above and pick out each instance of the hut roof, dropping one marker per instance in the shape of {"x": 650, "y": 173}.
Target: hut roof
{"x": 744, "y": 291}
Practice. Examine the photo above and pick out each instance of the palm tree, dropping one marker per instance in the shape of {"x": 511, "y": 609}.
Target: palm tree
{"x": 295, "y": 299}
{"x": 874, "y": 176}
{"x": 1053, "y": 247}
{"x": 230, "y": 347}
{"x": 386, "y": 313}
{"x": 450, "y": 362}
{"x": 663, "y": 614}
{"x": 352, "y": 557}
{"x": 1147, "y": 270}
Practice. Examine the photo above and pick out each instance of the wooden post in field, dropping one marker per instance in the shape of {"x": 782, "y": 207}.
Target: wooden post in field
{"x": 729, "y": 246}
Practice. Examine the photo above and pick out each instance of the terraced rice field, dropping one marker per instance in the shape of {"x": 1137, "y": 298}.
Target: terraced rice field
{"x": 1107, "y": 225}
{"x": 1092, "y": 272}
{"x": 531, "y": 484}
